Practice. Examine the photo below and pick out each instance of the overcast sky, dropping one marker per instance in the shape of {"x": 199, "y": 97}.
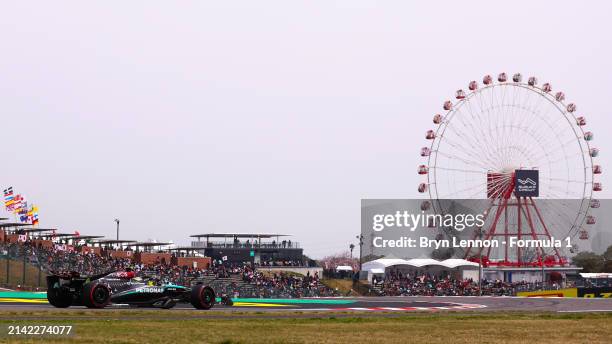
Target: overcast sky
{"x": 260, "y": 116}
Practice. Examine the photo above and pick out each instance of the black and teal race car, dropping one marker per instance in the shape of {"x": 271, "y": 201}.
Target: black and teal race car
{"x": 98, "y": 291}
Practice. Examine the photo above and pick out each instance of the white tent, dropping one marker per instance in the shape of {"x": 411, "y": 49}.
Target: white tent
{"x": 383, "y": 263}
{"x": 455, "y": 263}
{"x": 421, "y": 262}
{"x": 379, "y": 266}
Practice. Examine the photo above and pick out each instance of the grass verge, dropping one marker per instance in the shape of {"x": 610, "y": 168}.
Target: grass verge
{"x": 132, "y": 327}
{"x": 343, "y": 286}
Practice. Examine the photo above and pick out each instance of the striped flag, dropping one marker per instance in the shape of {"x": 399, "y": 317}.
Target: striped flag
{"x": 19, "y": 203}
{"x": 8, "y": 193}
{"x": 31, "y": 215}
{"x": 35, "y": 215}
{"x": 8, "y": 198}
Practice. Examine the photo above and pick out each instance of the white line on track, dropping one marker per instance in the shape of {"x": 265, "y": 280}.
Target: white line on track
{"x": 586, "y": 311}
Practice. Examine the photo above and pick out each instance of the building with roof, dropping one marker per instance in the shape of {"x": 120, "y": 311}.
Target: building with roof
{"x": 260, "y": 248}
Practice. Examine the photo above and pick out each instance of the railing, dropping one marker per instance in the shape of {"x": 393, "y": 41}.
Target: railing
{"x": 537, "y": 286}
{"x": 290, "y": 245}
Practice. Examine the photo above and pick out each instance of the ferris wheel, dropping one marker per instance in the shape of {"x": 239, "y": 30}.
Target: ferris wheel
{"x": 489, "y": 133}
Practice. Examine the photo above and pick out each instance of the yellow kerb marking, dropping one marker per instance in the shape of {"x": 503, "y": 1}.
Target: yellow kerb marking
{"x": 24, "y": 300}
{"x": 257, "y": 304}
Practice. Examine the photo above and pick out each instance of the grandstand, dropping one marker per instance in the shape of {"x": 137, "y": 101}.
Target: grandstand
{"x": 263, "y": 249}
{"x": 242, "y": 267}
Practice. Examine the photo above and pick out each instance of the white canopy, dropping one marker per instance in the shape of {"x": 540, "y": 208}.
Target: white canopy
{"x": 595, "y": 275}
{"x": 455, "y": 263}
{"x": 420, "y": 262}
{"x": 384, "y": 263}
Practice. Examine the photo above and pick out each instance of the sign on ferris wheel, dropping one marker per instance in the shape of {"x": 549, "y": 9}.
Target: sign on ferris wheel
{"x": 526, "y": 183}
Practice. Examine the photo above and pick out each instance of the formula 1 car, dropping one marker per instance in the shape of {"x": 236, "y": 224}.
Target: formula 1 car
{"x": 98, "y": 291}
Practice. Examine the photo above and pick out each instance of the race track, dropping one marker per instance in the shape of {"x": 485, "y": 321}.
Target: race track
{"x": 369, "y": 305}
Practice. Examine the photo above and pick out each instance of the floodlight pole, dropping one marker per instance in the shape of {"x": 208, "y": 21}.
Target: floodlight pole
{"x": 543, "y": 275}
{"x": 23, "y": 280}
{"x": 480, "y": 265}
{"x": 117, "y": 221}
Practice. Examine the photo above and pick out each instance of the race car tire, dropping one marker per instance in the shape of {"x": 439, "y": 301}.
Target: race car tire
{"x": 59, "y": 298}
{"x": 95, "y": 295}
{"x": 202, "y": 297}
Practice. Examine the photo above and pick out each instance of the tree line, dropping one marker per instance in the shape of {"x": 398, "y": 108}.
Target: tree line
{"x": 592, "y": 262}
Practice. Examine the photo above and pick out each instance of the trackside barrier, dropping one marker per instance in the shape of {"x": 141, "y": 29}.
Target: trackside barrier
{"x": 593, "y": 292}
{"x": 568, "y": 292}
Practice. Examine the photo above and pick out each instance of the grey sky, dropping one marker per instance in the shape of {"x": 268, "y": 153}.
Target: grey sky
{"x": 272, "y": 116}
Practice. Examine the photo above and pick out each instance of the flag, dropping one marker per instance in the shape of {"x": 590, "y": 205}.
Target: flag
{"x": 23, "y": 214}
{"x": 8, "y": 194}
{"x": 20, "y": 206}
{"x": 30, "y": 215}
{"x": 34, "y": 219}
{"x": 8, "y": 198}
{"x": 16, "y": 203}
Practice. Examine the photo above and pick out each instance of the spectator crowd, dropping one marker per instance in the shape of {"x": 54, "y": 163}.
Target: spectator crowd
{"x": 236, "y": 280}
{"x": 405, "y": 284}
{"x": 246, "y": 280}
{"x": 285, "y": 284}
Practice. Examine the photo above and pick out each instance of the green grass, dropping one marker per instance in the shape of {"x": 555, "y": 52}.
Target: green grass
{"x": 344, "y": 286}
{"x": 182, "y": 327}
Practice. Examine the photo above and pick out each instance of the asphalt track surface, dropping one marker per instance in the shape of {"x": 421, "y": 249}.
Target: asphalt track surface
{"x": 370, "y": 305}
